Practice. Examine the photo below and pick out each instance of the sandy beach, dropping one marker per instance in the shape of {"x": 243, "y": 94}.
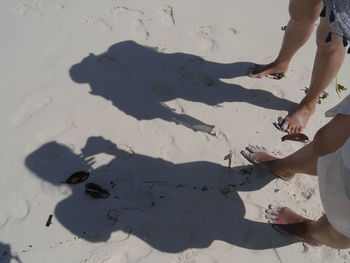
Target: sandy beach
{"x": 147, "y": 98}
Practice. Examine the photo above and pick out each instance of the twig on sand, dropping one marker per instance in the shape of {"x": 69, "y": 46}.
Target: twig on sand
{"x": 229, "y": 158}
{"x": 48, "y": 222}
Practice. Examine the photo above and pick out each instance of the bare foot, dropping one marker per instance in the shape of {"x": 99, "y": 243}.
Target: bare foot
{"x": 287, "y": 221}
{"x": 297, "y": 121}
{"x": 259, "y": 155}
{"x": 270, "y": 70}
{"x": 283, "y": 215}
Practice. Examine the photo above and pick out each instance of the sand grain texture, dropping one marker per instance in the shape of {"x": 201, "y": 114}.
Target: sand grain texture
{"x": 148, "y": 98}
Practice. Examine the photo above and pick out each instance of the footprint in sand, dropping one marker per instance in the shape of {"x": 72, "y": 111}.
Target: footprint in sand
{"x": 253, "y": 211}
{"x": 212, "y": 38}
{"x": 167, "y": 15}
{"x": 99, "y": 257}
{"x": 201, "y": 259}
{"x": 122, "y": 9}
{"x": 3, "y": 220}
{"x": 97, "y": 21}
{"x": 186, "y": 256}
{"x": 139, "y": 30}
{"x": 277, "y": 91}
{"x": 118, "y": 258}
{"x": 206, "y": 42}
{"x": 18, "y": 208}
{"x": 55, "y": 130}
{"x": 34, "y": 8}
{"x": 29, "y": 106}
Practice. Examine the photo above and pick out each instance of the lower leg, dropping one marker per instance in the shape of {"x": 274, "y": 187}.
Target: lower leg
{"x": 303, "y": 15}
{"x": 328, "y": 60}
{"x": 296, "y": 35}
{"x": 314, "y": 232}
{"x": 302, "y": 161}
{"x": 323, "y": 232}
{"x": 328, "y": 139}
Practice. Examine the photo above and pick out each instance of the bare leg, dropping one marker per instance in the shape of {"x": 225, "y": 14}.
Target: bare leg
{"x": 324, "y": 233}
{"x": 313, "y": 232}
{"x": 327, "y": 140}
{"x": 303, "y": 15}
{"x": 328, "y": 60}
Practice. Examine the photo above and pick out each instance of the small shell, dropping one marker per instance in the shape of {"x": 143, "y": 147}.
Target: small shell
{"x": 96, "y": 191}
{"x": 77, "y": 178}
{"x": 299, "y": 137}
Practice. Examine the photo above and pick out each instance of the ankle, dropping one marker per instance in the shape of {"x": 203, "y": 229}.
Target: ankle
{"x": 308, "y": 227}
{"x": 272, "y": 165}
{"x": 281, "y": 65}
{"x": 277, "y": 167}
{"x": 309, "y": 104}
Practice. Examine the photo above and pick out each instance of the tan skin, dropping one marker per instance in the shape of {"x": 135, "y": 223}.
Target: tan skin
{"x": 327, "y": 140}
{"x": 328, "y": 60}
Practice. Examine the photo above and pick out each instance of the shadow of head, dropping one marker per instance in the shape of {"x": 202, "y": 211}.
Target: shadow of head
{"x": 170, "y": 206}
{"x": 52, "y": 162}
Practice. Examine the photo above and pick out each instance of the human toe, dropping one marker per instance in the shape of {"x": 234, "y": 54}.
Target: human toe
{"x": 275, "y": 209}
{"x": 249, "y": 156}
{"x": 251, "y": 148}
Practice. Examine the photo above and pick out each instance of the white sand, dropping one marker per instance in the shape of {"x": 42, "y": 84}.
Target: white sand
{"x": 157, "y": 71}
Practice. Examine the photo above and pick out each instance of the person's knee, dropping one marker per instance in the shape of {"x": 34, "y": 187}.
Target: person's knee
{"x": 304, "y": 13}
{"x": 332, "y": 136}
{"x": 319, "y": 142}
{"x": 330, "y": 46}
{"x": 302, "y": 20}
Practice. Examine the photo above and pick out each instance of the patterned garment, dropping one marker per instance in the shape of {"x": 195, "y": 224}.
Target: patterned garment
{"x": 338, "y": 12}
{"x": 334, "y": 179}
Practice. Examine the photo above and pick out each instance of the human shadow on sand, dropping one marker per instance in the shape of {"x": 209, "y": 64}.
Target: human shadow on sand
{"x": 6, "y": 255}
{"x": 141, "y": 81}
{"x": 170, "y": 206}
